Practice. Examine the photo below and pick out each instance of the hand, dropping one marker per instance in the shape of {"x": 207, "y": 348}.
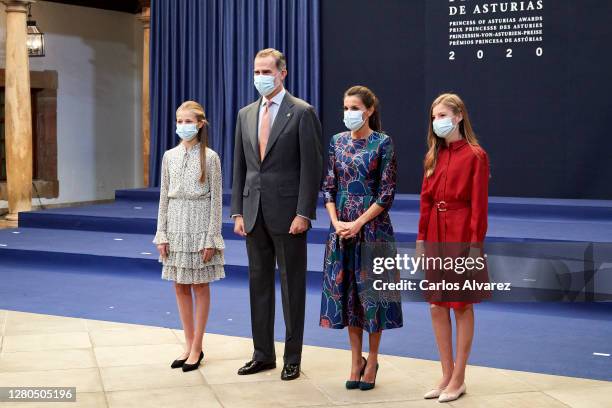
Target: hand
{"x": 163, "y": 250}
{"x": 239, "y": 226}
{"x": 352, "y": 229}
{"x": 419, "y": 249}
{"x": 340, "y": 226}
{"x": 207, "y": 254}
{"x": 299, "y": 225}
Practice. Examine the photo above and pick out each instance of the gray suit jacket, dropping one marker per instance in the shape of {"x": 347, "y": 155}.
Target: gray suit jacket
{"x": 289, "y": 178}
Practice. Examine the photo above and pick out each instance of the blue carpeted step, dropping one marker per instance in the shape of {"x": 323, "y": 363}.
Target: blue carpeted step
{"x": 138, "y": 194}
{"x": 113, "y": 249}
{"x": 404, "y": 202}
{"x": 151, "y": 195}
{"x": 140, "y": 217}
{"x": 135, "y": 253}
{"x": 512, "y": 207}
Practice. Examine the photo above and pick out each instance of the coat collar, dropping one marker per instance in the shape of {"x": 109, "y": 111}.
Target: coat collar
{"x": 278, "y": 98}
{"x": 284, "y": 114}
{"x": 457, "y": 144}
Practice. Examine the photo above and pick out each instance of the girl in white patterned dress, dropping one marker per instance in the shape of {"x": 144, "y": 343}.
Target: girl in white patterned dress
{"x": 189, "y": 226}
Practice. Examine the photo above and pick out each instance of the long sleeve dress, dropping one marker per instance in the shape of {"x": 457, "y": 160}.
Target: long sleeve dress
{"x": 360, "y": 172}
{"x": 453, "y": 209}
{"x": 189, "y": 218}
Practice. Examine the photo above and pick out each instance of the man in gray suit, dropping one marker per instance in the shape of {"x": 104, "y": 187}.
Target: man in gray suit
{"x": 278, "y": 166}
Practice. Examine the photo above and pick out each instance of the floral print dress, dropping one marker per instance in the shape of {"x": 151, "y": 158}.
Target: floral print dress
{"x": 360, "y": 172}
{"x": 189, "y": 217}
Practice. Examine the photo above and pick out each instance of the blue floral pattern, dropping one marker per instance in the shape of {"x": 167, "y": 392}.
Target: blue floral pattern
{"x": 360, "y": 172}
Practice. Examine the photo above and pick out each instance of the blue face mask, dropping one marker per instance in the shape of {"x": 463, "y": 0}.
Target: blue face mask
{"x": 264, "y": 84}
{"x": 443, "y": 127}
{"x": 353, "y": 119}
{"x": 186, "y": 131}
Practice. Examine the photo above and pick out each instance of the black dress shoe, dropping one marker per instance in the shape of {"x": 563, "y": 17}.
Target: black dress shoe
{"x": 290, "y": 372}
{"x": 191, "y": 367}
{"x": 255, "y": 366}
{"x": 178, "y": 363}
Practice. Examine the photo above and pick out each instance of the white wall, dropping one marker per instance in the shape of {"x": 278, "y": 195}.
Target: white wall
{"x": 98, "y": 57}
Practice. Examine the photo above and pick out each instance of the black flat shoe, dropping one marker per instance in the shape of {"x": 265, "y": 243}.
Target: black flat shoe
{"x": 254, "y": 366}
{"x": 366, "y": 386}
{"x": 178, "y": 363}
{"x": 191, "y": 367}
{"x": 290, "y": 372}
{"x": 353, "y": 385}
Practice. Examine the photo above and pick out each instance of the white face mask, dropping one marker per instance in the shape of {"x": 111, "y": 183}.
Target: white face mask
{"x": 186, "y": 131}
{"x": 265, "y": 84}
{"x": 443, "y": 127}
{"x": 353, "y": 119}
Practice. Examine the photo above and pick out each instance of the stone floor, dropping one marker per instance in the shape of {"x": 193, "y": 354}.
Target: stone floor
{"x": 123, "y": 365}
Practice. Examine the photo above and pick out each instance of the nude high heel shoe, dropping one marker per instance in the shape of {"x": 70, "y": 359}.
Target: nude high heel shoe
{"x": 448, "y": 396}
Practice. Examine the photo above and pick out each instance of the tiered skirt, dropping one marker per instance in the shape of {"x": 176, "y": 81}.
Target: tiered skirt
{"x": 187, "y": 233}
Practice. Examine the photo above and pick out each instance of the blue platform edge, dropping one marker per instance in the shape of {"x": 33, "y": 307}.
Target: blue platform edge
{"x": 498, "y": 206}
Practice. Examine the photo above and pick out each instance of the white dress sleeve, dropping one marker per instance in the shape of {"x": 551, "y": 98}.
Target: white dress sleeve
{"x": 162, "y": 215}
{"x": 213, "y": 238}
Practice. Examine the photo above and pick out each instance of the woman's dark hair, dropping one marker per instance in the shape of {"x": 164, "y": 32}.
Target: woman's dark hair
{"x": 369, "y": 99}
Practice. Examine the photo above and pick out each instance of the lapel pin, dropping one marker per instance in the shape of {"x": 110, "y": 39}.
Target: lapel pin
{"x": 289, "y": 114}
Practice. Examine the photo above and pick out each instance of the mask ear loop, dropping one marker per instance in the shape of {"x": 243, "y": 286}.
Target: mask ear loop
{"x": 459, "y": 124}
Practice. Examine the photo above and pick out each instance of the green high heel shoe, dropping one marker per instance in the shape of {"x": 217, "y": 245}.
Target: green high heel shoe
{"x": 366, "y": 386}
{"x": 353, "y": 385}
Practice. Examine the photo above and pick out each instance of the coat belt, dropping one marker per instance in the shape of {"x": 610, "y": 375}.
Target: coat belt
{"x": 451, "y": 205}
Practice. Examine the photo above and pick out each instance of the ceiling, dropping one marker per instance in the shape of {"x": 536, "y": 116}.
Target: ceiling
{"x": 127, "y": 6}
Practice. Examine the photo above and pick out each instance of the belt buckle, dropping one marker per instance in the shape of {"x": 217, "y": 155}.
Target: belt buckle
{"x": 441, "y": 205}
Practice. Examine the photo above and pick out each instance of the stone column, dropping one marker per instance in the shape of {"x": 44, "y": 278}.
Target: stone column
{"x": 145, "y": 18}
{"x": 18, "y": 110}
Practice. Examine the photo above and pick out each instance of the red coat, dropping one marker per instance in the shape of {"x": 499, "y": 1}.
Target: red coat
{"x": 461, "y": 180}
{"x": 454, "y": 209}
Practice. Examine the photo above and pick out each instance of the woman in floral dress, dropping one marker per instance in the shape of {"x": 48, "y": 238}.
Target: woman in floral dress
{"x": 359, "y": 188}
{"x": 189, "y": 221}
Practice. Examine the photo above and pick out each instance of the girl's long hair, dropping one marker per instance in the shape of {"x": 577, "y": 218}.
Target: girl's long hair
{"x": 455, "y": 104}
{"x": 202, "y": 136}
{"x": 369, "y": 99}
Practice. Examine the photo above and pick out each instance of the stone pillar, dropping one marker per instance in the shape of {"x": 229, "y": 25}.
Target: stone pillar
{"x": 145, "y": 18}
{"x": 18, "y": 110}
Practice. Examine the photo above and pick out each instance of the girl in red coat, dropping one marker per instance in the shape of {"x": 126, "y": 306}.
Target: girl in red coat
{"x": 454, "y": 199}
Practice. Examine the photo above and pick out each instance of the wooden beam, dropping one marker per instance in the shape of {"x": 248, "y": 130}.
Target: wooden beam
{"x": 145, "y": 18}
{"x": 18, "y": 110}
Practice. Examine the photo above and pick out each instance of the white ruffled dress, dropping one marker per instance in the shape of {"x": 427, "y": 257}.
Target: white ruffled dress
{"x": 190, "y": 216}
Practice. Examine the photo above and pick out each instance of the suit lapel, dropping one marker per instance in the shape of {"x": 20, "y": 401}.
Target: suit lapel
{"x": 252, "y": 125}
{"x": 284, "y": 114}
